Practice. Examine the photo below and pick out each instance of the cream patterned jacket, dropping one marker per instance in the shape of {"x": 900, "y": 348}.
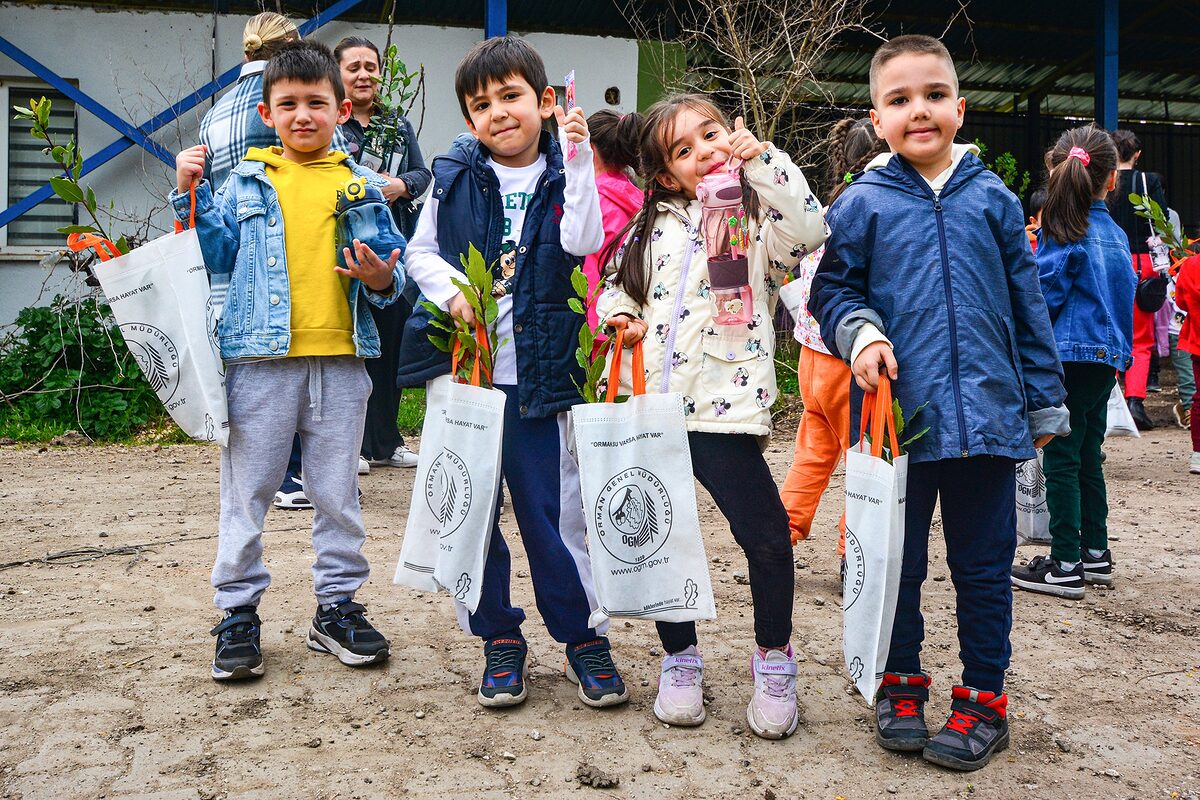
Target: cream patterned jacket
{"x": 726, "y": 373}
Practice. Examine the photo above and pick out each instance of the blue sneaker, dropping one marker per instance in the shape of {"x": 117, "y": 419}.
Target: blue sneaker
{"x": 503, "y": 682}
{"x": 590, "y": 665}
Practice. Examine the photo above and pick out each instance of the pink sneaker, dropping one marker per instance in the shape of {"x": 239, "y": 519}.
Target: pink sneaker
{"x": 680, "y": 698}
{"x": 772, "y": 711}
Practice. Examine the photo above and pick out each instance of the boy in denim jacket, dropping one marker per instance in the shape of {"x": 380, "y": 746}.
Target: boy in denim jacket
{"x": 293, "y": 334}
{"x": 928, "y": 274}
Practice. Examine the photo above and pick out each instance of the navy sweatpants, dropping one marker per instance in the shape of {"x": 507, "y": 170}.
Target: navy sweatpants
{"x": 979, "y": 521}
{"x": 543, "y": 487}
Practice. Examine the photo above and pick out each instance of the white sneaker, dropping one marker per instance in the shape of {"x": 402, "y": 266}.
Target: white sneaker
{"x": 1194, "y": 464}
{"x": 772, "y": 711}
{"x": 680, "y": 698}
{"x": 364, "y": 466}
{"x": 403, "y": 457}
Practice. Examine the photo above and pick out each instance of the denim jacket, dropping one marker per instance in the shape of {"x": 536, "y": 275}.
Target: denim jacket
{"x": 241, "y": 235}
{"x": 951, "y": 281}
{"x": 1089, "y": 289}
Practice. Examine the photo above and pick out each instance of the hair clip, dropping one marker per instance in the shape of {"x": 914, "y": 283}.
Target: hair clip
{"x": 848, "y": 177}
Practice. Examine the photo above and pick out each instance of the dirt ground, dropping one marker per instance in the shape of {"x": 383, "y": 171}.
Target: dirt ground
{"x": 105, "y": 688}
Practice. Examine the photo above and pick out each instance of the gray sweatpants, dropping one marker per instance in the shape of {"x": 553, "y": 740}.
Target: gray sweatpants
{"x": 324, "y": 399}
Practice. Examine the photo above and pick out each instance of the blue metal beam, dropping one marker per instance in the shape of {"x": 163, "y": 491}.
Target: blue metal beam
{"x": 131, "y": 135}
{"x": 1107, "y": 37}
{"x": 495, "y": 18}
{"x": 49, "y": 76}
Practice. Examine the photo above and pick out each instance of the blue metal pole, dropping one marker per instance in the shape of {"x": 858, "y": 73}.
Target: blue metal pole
{"x": 495, "y": 18}
{"x": 1107, "y": 39}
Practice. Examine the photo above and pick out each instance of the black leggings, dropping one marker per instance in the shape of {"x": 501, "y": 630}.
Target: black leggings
{"x": 732, "y": 468}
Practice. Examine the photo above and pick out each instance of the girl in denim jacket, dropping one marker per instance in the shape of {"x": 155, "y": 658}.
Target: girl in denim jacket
{"x": 1082, "y": 258}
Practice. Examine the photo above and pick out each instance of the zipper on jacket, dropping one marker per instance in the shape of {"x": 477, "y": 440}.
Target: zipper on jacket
{"x": 676, "y": 313}
{"x": 958, "y": 406}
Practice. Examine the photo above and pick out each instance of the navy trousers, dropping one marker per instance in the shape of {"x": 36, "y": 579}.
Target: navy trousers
{"x": 979, "y": 522}
{"x": 543, "y": 487}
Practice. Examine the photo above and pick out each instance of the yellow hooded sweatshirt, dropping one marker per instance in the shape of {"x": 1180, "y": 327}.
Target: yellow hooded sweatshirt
{"x": 321, "y": 323}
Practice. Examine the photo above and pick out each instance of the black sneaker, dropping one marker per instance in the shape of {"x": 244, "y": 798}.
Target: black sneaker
{"x": 1098, "y": 570}
{"x": 291, "y": 496}
{"x": 842, "y": 578}
{"x": 503, "y": 682}
{"x": 1042, "y": 574}
{"x": 900, "y": 712}
{"x": 343, "y": 630}
{"x": 976, "y": 730}
{"x": 590, "y": 665}
{"x": 238, "y": 655}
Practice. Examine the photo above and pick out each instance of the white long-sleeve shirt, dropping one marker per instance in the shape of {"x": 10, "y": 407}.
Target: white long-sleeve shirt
{"x": 581, "y": 233}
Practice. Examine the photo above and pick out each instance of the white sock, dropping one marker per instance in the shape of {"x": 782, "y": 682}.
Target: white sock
{"x": 1094, "y": 553}
{"x": 1067, "y": 566}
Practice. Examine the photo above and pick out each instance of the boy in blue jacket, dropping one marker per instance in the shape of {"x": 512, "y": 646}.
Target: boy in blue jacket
{"x": 929, "y": 275}
{"x": 508, "y": 192}
{"x": 293, "y": 334}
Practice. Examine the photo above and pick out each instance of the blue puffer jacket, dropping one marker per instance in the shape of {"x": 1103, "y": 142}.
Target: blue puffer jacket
{"x": 545, "y": 329}
{"x": 1089, "y": 289}
{"x": 951, "y": 281}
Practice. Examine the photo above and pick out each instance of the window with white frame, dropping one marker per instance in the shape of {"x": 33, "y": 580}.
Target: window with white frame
{"x": 26, "y": 168}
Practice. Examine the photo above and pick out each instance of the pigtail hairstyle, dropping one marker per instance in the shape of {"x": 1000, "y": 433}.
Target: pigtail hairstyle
{"x": 614, "y": 137}
{"x": 852, "y": 145}
{"x": 1081, "y": 162}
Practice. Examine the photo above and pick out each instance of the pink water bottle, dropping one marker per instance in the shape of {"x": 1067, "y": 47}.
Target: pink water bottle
{"x": 723, "y": 222}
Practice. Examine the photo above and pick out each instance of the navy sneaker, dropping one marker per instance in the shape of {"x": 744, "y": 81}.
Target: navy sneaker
{"x": 238, "y": 653}
{"x": 589, "y": 665}
{"x": 900, "y": 712}
{"x": 343, "y": 630}
{"x": 1043, "y": 574}
{"x": 291, "y": 496}
{"x": 503, "y": 682}
{"x": 976, "y": 730}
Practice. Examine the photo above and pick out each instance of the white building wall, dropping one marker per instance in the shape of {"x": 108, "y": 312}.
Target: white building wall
{"x": 138, "y": 63}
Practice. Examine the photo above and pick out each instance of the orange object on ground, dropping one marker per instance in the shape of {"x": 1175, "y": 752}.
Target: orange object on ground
{"x": 821, "y": 441}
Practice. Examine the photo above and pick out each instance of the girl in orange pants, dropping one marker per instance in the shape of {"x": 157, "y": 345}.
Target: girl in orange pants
{"x": 824, "y": 433}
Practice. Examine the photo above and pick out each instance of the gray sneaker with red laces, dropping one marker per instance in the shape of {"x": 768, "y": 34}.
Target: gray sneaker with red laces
{"x": 900, "y": 712}
{"x": 976, "y": 730}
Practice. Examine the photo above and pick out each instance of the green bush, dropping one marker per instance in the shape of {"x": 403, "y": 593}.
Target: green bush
{"x": 67, "y": 365}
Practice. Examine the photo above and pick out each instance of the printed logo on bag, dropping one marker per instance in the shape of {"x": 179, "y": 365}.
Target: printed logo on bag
{"x": 856, "y": 570}
{"x": 156, "y": 355}
{"x": 633, "y": 515}
{"x": 1031, "y": 485}
{"x": 448, "y": 490}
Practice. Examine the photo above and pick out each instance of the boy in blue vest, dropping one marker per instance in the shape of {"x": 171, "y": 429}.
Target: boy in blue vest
{"x": 294, "y": 331}
{"x": 928, "y": 275}
{"x": 534, "y": 217}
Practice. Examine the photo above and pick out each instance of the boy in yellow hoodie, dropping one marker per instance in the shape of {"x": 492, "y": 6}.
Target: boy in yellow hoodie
{"x": 293, "y": 335}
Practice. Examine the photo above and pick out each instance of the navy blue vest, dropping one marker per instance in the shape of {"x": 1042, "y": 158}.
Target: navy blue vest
{"x": 545, "y": 329}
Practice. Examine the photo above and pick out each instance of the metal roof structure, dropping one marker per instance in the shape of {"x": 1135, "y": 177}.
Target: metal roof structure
{"x": 1007, "y": 51}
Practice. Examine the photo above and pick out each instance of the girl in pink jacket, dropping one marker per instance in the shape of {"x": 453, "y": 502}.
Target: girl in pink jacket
{"x": 614, "y": 153}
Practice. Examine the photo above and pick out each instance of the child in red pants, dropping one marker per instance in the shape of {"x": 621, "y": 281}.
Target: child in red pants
{"x": 1187, "y": 297}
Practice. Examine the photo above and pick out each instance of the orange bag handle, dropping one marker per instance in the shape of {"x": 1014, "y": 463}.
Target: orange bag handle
{"x": 614, "y": 367}
{"x": 104, "y": 248}
{"x": 482, "y": 338}
{"x": 192, "y": 213}
{"x": 876, "y": 415}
